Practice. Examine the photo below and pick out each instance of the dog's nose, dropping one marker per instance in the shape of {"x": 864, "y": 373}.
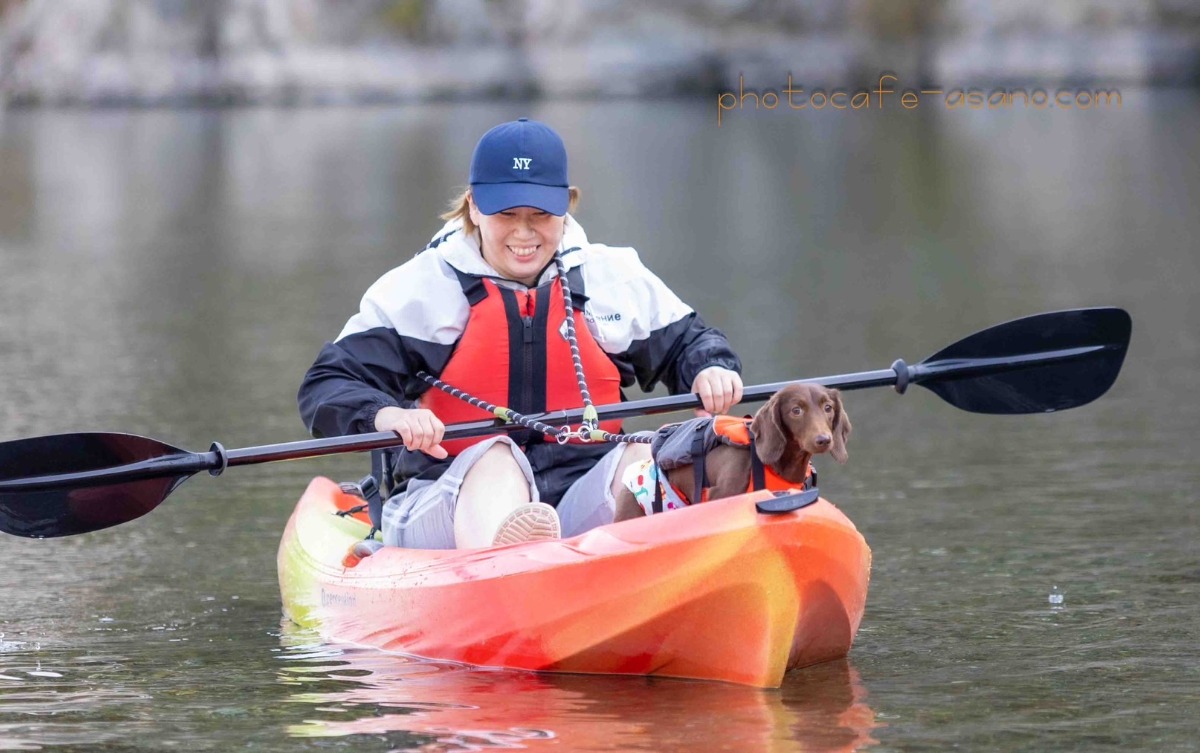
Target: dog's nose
{"x": 823, "y": 440}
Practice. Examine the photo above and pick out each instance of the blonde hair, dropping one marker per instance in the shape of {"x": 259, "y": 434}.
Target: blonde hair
{"x": 460, "y": 208}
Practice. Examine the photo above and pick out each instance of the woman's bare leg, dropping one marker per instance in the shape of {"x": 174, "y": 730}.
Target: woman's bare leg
{"x": 492, "y": 489}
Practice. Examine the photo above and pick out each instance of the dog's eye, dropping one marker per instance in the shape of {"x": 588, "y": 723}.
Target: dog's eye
{"x": 797, "y": 410}
{"x": 829, "y": 407}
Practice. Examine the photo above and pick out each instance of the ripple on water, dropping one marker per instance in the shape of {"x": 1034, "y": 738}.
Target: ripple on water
{"x": 50, "y": 699}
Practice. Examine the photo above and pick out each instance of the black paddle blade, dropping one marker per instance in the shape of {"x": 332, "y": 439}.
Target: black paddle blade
{"x": 66, "y": 508}
{"x": 1038, "y": 364}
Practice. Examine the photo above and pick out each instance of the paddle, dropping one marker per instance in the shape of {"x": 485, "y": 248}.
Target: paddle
{"x": 74, "y": 483}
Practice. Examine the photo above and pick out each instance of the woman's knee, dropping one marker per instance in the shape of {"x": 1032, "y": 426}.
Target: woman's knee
{"x": 497, "y": 460}
{"x": 498, "y": 477}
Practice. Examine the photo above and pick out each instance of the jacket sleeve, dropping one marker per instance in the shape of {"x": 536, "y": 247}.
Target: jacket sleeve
{"x": 650, "y": 333}
{"x": 345, "y": 387}
{"x": 359, "y": 374}
{"x": 374, "y": 361}
{"x": 676, "y": 353}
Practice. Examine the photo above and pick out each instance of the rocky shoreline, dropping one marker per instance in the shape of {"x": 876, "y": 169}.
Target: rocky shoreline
{"x": 106, "y": 52}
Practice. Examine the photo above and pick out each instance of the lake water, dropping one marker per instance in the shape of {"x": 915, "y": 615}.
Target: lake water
{"x": 173, "y": 273}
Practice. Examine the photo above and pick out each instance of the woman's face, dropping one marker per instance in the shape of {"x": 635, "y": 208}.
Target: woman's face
{"x": 519, "y": 242}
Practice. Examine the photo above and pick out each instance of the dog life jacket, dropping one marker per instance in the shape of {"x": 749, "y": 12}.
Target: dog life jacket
{"x": 689, "y": 442}
{"x": 514, "y": 353}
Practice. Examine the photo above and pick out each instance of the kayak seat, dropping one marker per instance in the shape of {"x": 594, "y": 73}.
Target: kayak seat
{"x": 358, "y": 499}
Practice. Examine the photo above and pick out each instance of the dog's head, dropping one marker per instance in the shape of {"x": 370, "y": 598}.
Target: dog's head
{"x": 807, "y": 417}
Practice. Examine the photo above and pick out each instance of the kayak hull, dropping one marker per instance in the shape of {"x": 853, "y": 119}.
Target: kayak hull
{"x": 715, "y": 591}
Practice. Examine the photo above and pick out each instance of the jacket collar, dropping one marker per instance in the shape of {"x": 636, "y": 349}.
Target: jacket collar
{"x": 462, "y": 251}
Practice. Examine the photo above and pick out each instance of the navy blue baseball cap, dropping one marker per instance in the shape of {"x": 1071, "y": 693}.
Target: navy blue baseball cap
{"x": 520, "y": 164}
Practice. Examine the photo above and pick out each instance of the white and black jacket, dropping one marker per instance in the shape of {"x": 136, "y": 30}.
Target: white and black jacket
{"x": 412, "y": 317}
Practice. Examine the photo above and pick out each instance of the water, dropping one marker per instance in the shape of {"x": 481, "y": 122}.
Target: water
{"x": 172, "y": 274}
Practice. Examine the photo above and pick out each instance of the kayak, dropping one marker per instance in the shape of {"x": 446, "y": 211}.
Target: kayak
{"x": 716, "y": 591}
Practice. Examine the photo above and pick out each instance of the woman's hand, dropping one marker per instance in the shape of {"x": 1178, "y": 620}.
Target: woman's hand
{"x": 418, "y": 427}
{"x": 719, "y": 390}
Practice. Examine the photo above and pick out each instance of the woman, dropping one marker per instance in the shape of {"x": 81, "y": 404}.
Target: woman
{"x": 482, "y": 307}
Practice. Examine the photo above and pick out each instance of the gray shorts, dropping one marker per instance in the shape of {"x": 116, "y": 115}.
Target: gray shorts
{"x": 422, "y": 517}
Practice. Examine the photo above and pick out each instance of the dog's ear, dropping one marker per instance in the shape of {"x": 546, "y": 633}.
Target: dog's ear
{"x": 841, "y": 428}
{"x": 770, "y": 436}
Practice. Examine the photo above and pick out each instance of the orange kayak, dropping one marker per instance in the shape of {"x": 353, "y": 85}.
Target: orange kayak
{"x": 715, "y": 591}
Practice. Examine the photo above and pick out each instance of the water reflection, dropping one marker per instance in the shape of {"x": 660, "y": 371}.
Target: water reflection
{"x": 417, "y": 704}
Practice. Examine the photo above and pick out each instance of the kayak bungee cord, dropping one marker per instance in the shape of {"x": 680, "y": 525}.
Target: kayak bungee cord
{"x": 591, "y": 420}
{"x": 561, "y": 435}
{"x": 507, "y": 415}
{"x": 589, "y": 431}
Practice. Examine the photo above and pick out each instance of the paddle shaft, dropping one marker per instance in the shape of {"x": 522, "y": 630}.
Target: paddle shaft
{"x": 88, "y": 481}
{"x": 217, "y": 459}
{"x": 900, "y": 374}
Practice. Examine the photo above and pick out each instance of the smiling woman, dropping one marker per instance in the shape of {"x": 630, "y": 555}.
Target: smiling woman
{"x": 518, "y": 242}
{"x": 513, "y": 305}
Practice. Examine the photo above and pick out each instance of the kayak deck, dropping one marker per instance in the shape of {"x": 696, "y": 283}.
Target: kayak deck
{"x": 715, "y": 591}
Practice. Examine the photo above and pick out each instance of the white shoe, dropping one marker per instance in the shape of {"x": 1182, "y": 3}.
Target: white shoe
{"x": 532, "y": 521}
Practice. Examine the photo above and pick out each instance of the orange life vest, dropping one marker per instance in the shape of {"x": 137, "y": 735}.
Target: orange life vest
{"x": 514, "y": 353}
{"x": 737, "y": 431}
{"x": 705, "y": 435}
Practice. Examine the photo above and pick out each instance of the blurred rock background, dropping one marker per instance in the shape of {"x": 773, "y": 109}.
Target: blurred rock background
{"x": 175, "y": 52}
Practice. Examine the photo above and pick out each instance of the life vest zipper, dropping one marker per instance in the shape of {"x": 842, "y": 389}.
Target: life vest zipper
{"x": 527, "y": 360}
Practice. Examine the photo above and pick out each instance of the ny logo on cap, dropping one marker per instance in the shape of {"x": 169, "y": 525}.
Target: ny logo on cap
{"x": 521, "y": 163}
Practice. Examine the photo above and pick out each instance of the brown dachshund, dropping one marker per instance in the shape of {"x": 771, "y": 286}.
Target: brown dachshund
{"x": 799, "y": 421}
